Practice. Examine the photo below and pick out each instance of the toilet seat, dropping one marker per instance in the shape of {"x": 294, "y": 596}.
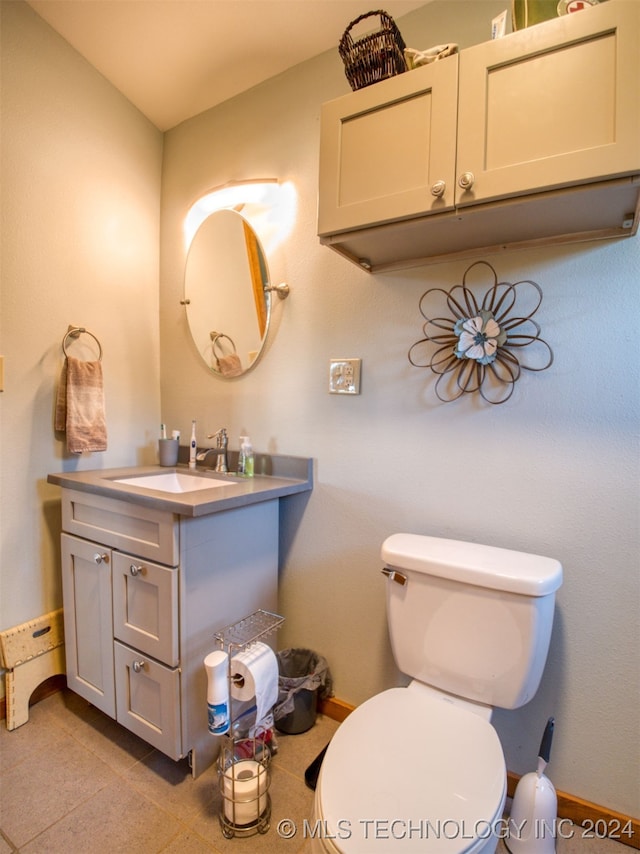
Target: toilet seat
{"x": 408, "y": 771}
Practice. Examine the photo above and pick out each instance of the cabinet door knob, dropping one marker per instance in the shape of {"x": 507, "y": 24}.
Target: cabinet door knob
{"x": 136, "y": 570}
{"x": 438, "y": 188}
{"x": 98, "y": 558}
{"x": 466, "y": 180}
{"x": 138, "y": 666}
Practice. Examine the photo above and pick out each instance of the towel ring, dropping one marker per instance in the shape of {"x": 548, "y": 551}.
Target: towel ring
{"x": 215, "y": 338}
{"x": 75, "y": 332}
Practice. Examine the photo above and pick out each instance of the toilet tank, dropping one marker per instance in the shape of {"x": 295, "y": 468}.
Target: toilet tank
{"x": 468, "y": 619}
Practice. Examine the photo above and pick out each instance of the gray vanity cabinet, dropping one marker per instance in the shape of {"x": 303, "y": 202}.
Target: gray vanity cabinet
{"x": 144, "y": 591}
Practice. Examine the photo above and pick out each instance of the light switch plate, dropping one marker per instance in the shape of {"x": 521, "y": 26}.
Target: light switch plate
{"x": 344, "y": 376}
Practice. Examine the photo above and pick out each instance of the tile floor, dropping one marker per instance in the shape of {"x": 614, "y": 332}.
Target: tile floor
{"x": 72, "y": 781}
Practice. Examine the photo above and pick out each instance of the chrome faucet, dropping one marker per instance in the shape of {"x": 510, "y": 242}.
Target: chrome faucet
{"x": 201, "y": 456}
{"x": 222, "y": 443}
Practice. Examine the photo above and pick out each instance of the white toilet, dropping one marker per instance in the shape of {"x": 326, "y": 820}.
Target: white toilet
{"x": 421, "y": 769}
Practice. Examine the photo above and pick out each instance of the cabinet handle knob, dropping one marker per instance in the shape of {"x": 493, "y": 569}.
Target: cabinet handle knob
{"x": 138, "y": 666}
{"x": 466, "y": 180}
{"x": 438, "y": 188}
{"x": 98, "y": 558}
{"x": 136, "y": 570}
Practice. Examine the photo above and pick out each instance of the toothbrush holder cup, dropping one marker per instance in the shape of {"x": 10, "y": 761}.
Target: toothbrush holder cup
{"x": 168, "y": 451}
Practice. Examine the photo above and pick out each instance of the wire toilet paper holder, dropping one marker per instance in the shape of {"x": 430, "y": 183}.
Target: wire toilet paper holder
{"x": 244, "y": 773}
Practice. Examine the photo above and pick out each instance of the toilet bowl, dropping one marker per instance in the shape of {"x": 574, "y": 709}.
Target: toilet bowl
{"x": 421, "y": 769}
{"x": 410, "y": 771}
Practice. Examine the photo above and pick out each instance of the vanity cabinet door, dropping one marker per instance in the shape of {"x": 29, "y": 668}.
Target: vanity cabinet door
{"x": 88, "y": 622}
{"x": 148, "y": 701}
{"x": 551, "y": 106}
{"x": 388, "y": 151}
{"x": 145, "y": 607}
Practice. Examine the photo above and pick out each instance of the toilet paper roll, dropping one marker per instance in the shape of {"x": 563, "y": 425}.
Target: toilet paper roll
{"x": 254, "y": 673}
{"x": 245, "y": 791}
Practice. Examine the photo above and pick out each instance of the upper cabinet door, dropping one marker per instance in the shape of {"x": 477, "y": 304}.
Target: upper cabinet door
{"x": 388, "y": 151}
{"x": 551, "y": 106}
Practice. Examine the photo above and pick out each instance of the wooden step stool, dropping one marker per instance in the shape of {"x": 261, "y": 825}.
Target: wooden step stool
{"x": 31, "y": 653}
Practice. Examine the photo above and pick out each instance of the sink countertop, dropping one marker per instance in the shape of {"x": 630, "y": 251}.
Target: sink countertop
{"x": 276, "y": 477}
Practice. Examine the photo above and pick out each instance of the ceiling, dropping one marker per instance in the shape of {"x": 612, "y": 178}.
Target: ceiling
{"x": 174, "y": 59}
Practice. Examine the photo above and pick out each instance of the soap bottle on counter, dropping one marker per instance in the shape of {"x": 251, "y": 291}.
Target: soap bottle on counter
{"x": 245, "y": 457}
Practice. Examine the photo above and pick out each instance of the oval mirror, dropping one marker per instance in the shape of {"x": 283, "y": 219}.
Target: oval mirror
{"x": 226, "y": 293}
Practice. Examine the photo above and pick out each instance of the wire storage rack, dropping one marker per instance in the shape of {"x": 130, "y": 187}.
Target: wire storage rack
{"x": 244, "y": 772}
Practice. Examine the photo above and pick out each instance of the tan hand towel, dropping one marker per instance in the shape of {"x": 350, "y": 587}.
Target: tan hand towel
{"x": 60, "y": 420}
{"x": 230, "y": 366}
{"x": 80, "y": 406}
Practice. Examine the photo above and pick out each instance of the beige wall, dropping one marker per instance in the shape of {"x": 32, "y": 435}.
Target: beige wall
{"x": 80, "y": 223}
{"x": 554, "y": 471}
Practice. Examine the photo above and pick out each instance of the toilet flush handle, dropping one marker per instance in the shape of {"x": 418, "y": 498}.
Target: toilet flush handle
{"x": 394, "y": 575}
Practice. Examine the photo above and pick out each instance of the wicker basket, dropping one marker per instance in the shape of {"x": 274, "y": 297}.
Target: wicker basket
{"x": 375, "y": 56}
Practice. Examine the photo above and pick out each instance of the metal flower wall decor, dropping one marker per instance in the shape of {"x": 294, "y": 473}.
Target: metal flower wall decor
{"x": 480, "y": 346}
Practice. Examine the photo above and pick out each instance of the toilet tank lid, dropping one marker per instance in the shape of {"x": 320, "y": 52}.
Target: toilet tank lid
{"x": 471, "y": 563}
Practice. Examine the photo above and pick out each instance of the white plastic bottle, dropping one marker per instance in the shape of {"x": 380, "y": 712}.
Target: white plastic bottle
{"x": 193, "y": 445}
{"x": 216, "y": 665}
{"x": 245, "y": 457}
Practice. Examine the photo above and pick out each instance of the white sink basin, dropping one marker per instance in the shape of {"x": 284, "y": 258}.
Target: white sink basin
{"x": 173, "y": 482}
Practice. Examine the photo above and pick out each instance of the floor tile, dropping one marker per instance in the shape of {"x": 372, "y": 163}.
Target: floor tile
{"x": 74, "y": 781}
{"x": 47, "y": 785}
{"x": 115, "y": 820}
{"x": 189, "y": 843}
{"x": 119, "y": 748}
{"x": 18, "y": 744}
{"x": 296, "y": 752}
{"x": 170, "y": 784}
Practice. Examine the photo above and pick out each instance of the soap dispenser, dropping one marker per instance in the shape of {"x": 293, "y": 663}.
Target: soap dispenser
{"x": 245, "y": 457}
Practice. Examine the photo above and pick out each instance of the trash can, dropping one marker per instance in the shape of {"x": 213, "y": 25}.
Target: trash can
{"x": 303, "y": 676}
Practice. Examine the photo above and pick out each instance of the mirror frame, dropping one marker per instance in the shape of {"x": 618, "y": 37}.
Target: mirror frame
{"x": 255, "y": 202}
